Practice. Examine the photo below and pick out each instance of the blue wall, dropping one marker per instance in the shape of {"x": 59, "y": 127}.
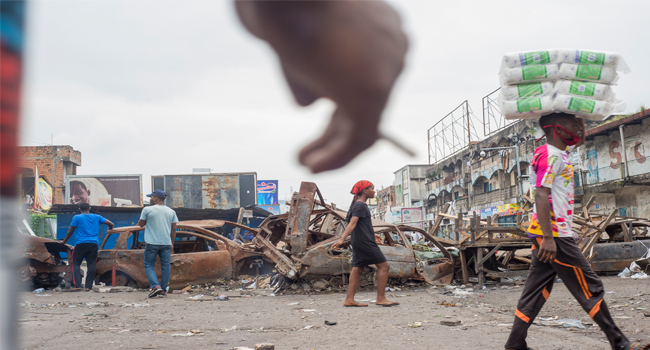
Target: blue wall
{"x": 63, "y": 221}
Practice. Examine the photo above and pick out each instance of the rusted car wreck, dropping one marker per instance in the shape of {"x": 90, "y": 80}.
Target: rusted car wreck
{"x": 42, "y": 264}
{"x": 200, "y": 255}
{"x": 300, "y": 242}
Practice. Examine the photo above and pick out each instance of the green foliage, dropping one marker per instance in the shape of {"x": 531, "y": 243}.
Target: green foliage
{"x": 35, "y": 223}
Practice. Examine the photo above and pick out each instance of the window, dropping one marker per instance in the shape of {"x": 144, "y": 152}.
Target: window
{"x": 486, "y": 187}
{"x": 456, "y": 195}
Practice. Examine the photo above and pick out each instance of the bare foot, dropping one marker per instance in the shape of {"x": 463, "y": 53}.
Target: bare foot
{"x": 353, "y": 304}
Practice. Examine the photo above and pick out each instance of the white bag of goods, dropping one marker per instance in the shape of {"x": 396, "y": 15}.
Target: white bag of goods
{"x": 521, "y": 59}
{"x": 529, "y": 74}
{"x": 514, "y": 92}
{"x": 591, "y": 73}
{"x": 607, "y": 59}
{"x": 527, "y": 108}
{"x": 590, "y": 90}
{"x": 585, "y": 107}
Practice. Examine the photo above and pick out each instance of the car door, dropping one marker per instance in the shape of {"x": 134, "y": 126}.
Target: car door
{"x": 399, "y": 255}
{"x": 198, "y": 259}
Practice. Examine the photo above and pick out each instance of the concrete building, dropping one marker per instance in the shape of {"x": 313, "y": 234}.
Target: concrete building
{"x": 410, "y": 185}
{"x": 385, "y": 199}
{"x": 488, "y": 182}
{"x": 615, "y": 168}
{"x": 53, "y": 162}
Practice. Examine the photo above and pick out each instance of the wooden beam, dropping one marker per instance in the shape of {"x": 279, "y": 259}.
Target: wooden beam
{"x": 489, "y": 254}
{"x": 463, "y": 266}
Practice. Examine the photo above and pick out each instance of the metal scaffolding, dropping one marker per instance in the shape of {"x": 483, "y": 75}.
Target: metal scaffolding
{"x": 453, "y": 133}
{"x": 493, "y": 120}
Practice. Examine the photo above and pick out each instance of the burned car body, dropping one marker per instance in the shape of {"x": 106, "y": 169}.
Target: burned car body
{"x": 300, "y": 242}
{"x": 200, "y": 255}
{"x": 43, "y": 264}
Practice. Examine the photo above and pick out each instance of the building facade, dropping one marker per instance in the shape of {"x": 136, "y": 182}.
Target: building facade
{"x": 385, "y": 199}
{"x": 410, "y": 185}
{"x": 54, "y": 163}
{"x": 611, "y": 165}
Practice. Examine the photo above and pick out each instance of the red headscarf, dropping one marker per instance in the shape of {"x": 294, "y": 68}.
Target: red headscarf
{"x": 359, "y": 187}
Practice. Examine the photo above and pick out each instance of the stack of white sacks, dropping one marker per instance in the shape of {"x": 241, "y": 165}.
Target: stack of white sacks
{"x": 579, "y": 82}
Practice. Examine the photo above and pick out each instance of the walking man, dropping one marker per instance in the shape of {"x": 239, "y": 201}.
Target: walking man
{"x": 159, "y": 222}
{"x": 86, "y": 244}
{"x": 555, "y": 249}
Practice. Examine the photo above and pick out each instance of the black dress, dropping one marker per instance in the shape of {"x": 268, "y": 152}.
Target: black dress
{"x": 365, "y": 250}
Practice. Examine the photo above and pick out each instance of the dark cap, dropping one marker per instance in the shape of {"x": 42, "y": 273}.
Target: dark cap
{"x": 158, "y": 193}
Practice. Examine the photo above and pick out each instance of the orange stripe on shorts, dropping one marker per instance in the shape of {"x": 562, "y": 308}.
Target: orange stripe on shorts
{"x": 595, "y": 309}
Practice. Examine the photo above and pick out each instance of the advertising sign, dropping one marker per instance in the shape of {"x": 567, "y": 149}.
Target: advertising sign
{"x": 485, "y": 213}
{"x": 267, "y": 192}
{"x": 104, "y": 190}
{"x": 412, "y": 214}
{"x": 273, "y": 209}
{"x": 508, "y": 209}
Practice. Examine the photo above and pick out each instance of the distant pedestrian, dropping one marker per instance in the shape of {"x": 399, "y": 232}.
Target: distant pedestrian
{"x": 365, "y": 250}
{"x": 159, "y": 222}
{"x": 86, "y": 226}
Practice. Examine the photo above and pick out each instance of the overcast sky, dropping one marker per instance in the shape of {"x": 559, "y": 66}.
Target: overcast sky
{"x": 161, "y": 87}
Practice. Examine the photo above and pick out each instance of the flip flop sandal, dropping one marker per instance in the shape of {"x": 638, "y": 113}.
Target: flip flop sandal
{"x": 357, "y": 305}
{"x": 388, "y": 305}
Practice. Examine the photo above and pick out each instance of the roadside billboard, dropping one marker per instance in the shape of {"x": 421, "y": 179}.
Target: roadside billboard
{"x": 104, "y": 190}
{"x": 412, "y": 216}
{"x": 267, "y": 192}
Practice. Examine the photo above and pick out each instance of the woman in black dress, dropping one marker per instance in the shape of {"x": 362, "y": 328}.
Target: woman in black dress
{"x": 365, "y": 250}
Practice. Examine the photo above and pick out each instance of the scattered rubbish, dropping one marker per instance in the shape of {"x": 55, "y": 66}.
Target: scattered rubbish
{"x": 625, "y": 273}
{"x": 308, "y": 327}
{"x": 117, "y": 289}
{"x": 556, "y": 321}
{"x": 328, "y": 323}
{"x": 308, "y": 310}
{"x": 415, "y": 324}
{"x": 265, "y": 346}
{"x": 188, "y": 334}
{"x": 223, "y": 298}
{"x": 639, "y": 275}
{"x": 39, "y": 290}
{"x": 450, "y": 323}
{"x": 296, "y": 303}
{"x": 197, "y": 297}
{"x": 43, "y": 295}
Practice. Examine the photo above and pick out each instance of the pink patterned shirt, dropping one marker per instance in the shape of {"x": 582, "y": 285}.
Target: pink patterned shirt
{"x": 552, "y": 168}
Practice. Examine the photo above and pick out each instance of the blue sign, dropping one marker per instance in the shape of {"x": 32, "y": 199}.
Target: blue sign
{"x": 267, "y": 192}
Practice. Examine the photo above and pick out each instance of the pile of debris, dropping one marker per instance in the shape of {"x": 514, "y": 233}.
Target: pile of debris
{"x": 491, "y": 252}
{"x": 300, "y": 244}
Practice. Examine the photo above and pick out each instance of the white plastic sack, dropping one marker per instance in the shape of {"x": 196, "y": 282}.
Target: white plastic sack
{"x": 586, "y": 108}
{"x": 529, "y": 58}
{"x": 599, "y": 58}
{"x": 527, "y": 108}
{"x": 515, "y": 92}
{"x": 590, "y": 73}
{"x": 585, "y": 89}
{"x": 529, "y": 74}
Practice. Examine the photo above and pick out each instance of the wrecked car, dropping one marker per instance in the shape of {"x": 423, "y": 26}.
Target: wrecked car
{"x": 43, "y": 264}
{"x": 200, "y": 255}
{"x": 300, "y": 242}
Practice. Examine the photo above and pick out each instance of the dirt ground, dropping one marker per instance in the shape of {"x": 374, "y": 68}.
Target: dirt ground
{"x": 84, "y": 320}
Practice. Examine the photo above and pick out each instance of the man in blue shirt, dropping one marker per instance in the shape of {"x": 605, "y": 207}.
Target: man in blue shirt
{"x": 159, "y": 222}
{"x": 86, "y": 244}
